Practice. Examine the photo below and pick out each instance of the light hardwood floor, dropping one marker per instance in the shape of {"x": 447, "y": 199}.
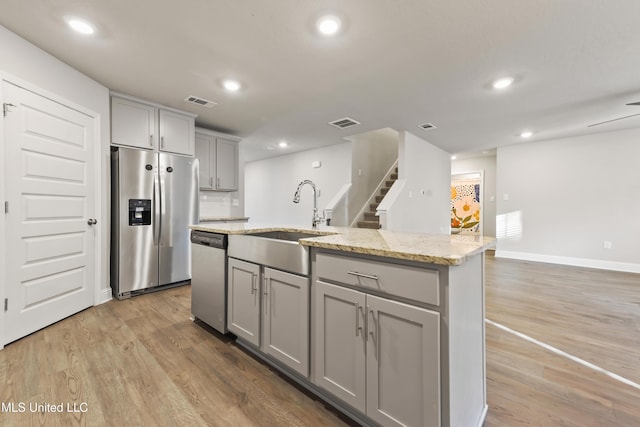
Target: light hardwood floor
{"x": 143, "y": 362}
{"x": 593, "y": 315}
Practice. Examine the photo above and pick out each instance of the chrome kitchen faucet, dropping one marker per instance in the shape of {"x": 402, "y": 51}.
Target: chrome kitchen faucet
{"x": 296, "y": 199}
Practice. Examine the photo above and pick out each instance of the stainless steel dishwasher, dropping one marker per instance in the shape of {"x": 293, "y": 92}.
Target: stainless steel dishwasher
{"x": 209, "y": 278}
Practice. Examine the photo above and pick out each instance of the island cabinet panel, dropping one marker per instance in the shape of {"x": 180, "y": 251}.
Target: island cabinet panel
{"x": 285, "y": 333}
{"x": 419, "y": 284}
{"x": 243, "y": 300}
{"x": 403, "y": 366}
{"x": 340, "y": 352}
{"x": 381, "y": 357}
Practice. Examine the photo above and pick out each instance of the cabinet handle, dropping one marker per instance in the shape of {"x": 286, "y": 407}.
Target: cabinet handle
{"x": 162, "y": 142}
{"x": 151, "y": 140}
{"x": 366, "y": 276}
{"x": 358, "y": 327}
{"x": 218, "y": 182}
{"x": 373, "y": 324}
{"x": 254, "y": 288}
{"x": 266, "y": 282}
{"x": 211, "y": 181}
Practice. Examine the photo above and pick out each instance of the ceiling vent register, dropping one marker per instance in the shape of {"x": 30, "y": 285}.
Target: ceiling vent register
{"x": 200, "y": 101}
{"x": 344, "y": 123}
{"x": 427, "y": 126}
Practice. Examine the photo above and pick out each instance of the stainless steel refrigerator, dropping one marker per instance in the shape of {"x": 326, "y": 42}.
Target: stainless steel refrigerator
{"x": 154, "y": 198}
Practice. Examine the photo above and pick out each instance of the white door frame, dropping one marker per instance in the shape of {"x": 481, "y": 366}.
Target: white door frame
{"x": 102, "y": 221}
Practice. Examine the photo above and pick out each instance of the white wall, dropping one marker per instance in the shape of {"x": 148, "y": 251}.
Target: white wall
{"x": 28, "y": 63}
{"x": 271, "y": 183}
{"x": 488, "y": 166}
{"x": 423, "y": 204}
{"x": 567, "y": 196}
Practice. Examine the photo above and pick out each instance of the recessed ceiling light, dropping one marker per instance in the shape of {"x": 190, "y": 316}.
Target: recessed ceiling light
{"x": 454, "y": 157}
{"x": 231, "y": 85}
{"x": 526, "y": 134}
{"x": 328, "y": 25}
{"x": 502, "y": 83}
{"x": 282, "y": 144}
{"x": 81, "y": 26}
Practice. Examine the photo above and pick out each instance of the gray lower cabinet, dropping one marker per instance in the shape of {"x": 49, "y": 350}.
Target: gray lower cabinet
{"x": 243, "y": 300}
{"x": 285, "y": 319}
{"x": 269, "y": 309}
{"x": 377, "y": 355}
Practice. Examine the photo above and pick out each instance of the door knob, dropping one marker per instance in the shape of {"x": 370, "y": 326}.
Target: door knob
{"x": 92, "y": 221}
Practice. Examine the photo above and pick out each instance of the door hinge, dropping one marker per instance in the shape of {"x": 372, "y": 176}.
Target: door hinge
{"x": 5, "y": 108}
{"x": 6, "y": 304}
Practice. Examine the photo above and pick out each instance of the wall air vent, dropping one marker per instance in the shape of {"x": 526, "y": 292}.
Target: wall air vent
{"x": 344, "y": 123}
{"x": 200, "y": 101}
{"x": 427, "y": 126}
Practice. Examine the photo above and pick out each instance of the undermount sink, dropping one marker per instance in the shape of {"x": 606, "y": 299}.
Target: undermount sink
{"x": 277, "y": 249}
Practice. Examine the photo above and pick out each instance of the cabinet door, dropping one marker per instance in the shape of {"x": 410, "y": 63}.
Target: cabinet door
{"x": 226, "y": 165}
{"x": 285, "y": 319}
{"x": 203, "y": 146}
{"x": 243, "y": 297}
{"x": 133, "y": 124}
{"x": 176, "y": 132}
{"x": 339, "y": 338}
{"x": 403, "y": 364}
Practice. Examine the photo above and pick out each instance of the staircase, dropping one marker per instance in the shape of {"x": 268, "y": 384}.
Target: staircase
{"x": 370, "y": 218}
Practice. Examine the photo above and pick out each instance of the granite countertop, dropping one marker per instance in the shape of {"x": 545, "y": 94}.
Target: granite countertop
{"x": 223, "y": 218}
{"x": 431, "y": 248}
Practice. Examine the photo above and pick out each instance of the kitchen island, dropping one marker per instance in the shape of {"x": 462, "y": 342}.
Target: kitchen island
{"x": 388, "y": 327}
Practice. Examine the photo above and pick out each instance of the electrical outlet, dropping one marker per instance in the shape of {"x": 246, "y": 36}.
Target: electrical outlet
{"x": 607, "y": 244}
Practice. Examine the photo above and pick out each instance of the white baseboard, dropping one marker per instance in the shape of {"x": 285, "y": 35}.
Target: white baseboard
{"x": 105, "y": 296}
{"x": 576, "y": 262}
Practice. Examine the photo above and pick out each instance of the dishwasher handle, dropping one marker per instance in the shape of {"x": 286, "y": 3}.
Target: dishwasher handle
{"x": 212, "y": 240}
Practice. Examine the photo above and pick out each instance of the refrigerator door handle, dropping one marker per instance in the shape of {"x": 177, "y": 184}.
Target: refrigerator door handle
{"x": 156, "y": 209}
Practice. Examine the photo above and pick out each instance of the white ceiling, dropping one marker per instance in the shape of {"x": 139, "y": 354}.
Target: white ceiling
{"x": 398, "y": 63}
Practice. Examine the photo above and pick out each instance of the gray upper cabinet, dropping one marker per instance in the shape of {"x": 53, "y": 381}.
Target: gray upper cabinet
{"x": 218, "y": 157}
{"x": 136, "y": 123}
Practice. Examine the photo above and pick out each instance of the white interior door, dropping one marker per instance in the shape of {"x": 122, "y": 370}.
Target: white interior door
{"x": 49, "y": 182}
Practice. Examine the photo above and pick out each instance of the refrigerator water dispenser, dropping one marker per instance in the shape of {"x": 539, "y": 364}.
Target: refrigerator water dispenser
{"x": 139, "y": 212}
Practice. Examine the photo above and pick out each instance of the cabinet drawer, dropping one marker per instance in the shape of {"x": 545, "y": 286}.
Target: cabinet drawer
{"x": 414, "y": 283}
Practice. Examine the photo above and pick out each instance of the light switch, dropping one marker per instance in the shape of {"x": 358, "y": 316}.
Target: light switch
{"x": 235, "y": 202}
{"x": 492, "y": 198}
{"x": 316, "y": 164}
{"x": 505, "y": 196}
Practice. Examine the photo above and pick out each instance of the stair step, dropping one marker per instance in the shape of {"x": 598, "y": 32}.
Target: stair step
{"x": 370, "y": 216}
{"x": 390, "y": 182}
{"x": 379, "y": 198}
{"x": 369, "y": 224}
{"x": 394, "y": 176}
{"x": 374, "y": 206}
{"x": 384, "y": 190}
